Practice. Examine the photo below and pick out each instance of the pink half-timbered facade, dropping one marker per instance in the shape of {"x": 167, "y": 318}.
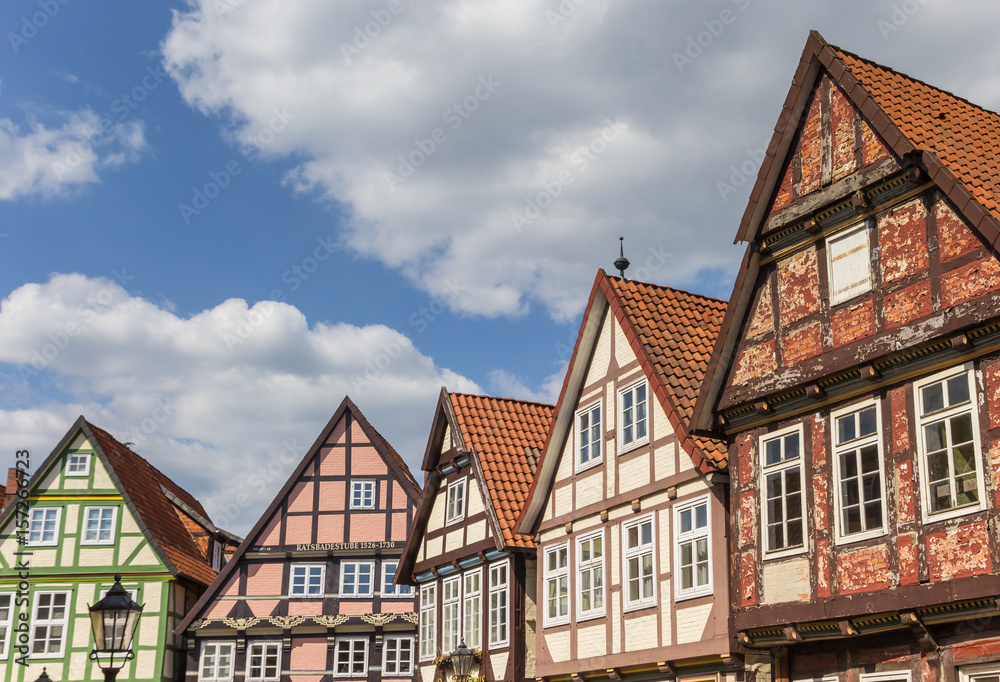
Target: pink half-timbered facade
{"x": 310, "y": 594}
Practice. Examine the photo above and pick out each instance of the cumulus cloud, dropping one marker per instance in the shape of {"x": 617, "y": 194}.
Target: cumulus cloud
{"x": 48, "y": 160}
{"x": 225, "y": 401}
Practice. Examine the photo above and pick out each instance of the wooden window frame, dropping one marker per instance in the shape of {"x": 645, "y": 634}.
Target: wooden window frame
{"x": 842, "y": 538}
{"x": 453, "y": 516}
{"x": 428, "y": 621}
{"x": 86, "y": 519}
{"x": 500, "y": 588}
{"x": 765, "y": 470}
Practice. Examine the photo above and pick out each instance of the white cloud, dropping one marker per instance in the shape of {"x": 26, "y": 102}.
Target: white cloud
{"x": 508, "y": 385}
{"x": 49, "y": 160}
{"x": 225, "y": 401}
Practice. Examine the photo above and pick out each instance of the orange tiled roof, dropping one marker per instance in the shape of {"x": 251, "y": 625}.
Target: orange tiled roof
{"x": 142, "y": 482}
{"x": 507, "y": 435}
{"x": 678, "y": 330}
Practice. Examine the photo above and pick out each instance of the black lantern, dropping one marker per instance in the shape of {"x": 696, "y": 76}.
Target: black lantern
{"x": 461, "y": 662}
{"x": 114, "y": 620}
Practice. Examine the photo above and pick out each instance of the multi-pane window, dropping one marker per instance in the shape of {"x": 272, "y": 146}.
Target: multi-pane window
{"x": 456, "y": 502}
{"x": 6, "y": 621}
{"x": 307, "y": 580}
{"x": 499, "y": 596}
{"x": 590, "y": 575}
{"x": 892, "y": 676}
{"x": 48, "y": 628}
{"x": 633, "y": 429}
{"x": 388, "y": 575}
{"x": 848, "y": 255}
{"x": 428, "y": 621}
{"x": 78, "y": 464}
{"x": 263, "y": 661}
{"x": 216, "y": 662}
{"x": 950, "y": 444}
{"x": 451, "y": 611}
{"x": 43, "y": 529}
{"x": 588, "y": 436}
{"x": 99, "y": 525}
{"x": 989, "y": 672}
{"x": 557, "y": 585}
{"x": 351, "y": 658}
{"x": 638, "y": 569}
{"x": 782, "y": 479}
{"x": 362, "y": 494}
{"x": 858, "y": 457}
{"x": 472, "y": 601}
{"x": 693, "y": 568}
{"x": 397, "y": 656}
{"x": 356, "y": 578}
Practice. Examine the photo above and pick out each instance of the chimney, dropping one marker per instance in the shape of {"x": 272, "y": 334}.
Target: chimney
{"x": 10, "y": 492}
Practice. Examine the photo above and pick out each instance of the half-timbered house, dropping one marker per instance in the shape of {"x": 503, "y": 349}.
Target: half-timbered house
{"x": 857, "y": 375}
{"x": 310, "y": 595}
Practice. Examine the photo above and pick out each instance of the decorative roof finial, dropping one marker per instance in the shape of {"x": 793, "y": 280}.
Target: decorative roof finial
{"x": 621, "y": 263}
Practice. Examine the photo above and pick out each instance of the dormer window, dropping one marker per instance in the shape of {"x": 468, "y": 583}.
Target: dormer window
{"x": 849, "y": 260}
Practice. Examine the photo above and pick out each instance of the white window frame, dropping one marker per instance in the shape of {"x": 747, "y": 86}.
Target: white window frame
{"x": 87, "y": 457}
{"x": 263, "y": 666}
{"x": 641, "y": 549}
{"x": 427, "y": 634}
{"x": 637, "y": 441}
{"x": 451, "y": 625}
{"x": 50, "y": 622}
{"x": 590, "y": 566}
{"x": 357, "y": 583}
{"x": 825, "y": 678}
{"x": 969, "y": 673}
{"x": 972, "y": 407}
{"x": 363, "y": 485}
{"x": 308, "y": 570}
{"x": 389, "y": 641}
{"x": 559, "y": 575}
{"x": 781, "y": 467}
{"x": 217, "y": 644}
{"x": 86, "y": 519}
{"x": 472, "y": 605}
{"x": 887, "y": 676}
{"x": 7, "y": 624}
{"x": 351, "y": 643}
{"x": 862, "y": 288}
{"x": 389, "y": 589}
{"x": 499, "y": 614}
{"x": 216, "y": 556}
{"x": 55, "y": 533}
{"x": 455, "y": 515}
{"x": 593, "y": 460}
{"x": 843, "y": 538}
{"x": 692, "y": 536}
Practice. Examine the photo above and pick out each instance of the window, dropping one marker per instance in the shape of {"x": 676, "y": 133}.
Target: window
{"x": 588, "y": 437}
{"x": 216, "y": 556}
{"x": 308, "y": 580}
{"x": 388, "y": 575}
{"x": 590, "y": 575}
{"x": 894, "y": 676}
{"x": 989, "y": 672}
{"x": 782, "y": 485}
{"x": 849, "y": 261}
{"x": 949, "y": 444}
{"x": 216, "y": 661}
{"x": 351, "y": 658}
{"x": 6, "y": 620}
{"x": 78, "y": 464}
{"x": 692, "y": 562}
{"x": 456, "y": 503}
{"x": 264, "y": 661}
{"x": 362, "y": 494}
{"x": 499, "y": 597}
{"x": 397, "y": 657}
{"x": 858, "y": 458}
{"x": 557, "y": 585}
{"x": 473, "y": 607}
{"x": 49, "y": 625}
{"x": 451, "y": 613}
{"x": 428, "y": 621}
{"x": 633, "y": 427}
{"x": 44, "y": 526}
{"x": 356, "y": 578}
{"x": 99, "y": 525}
{"x": 640, "y": 590}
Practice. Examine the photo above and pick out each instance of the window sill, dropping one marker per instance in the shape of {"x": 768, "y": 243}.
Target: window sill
{"x": 693, "y": 594}
{"x": 952, "y": 514}
{"x": 452, "y": 522}
{"x": 355, "y": 596}
{"x": 593, "y": 615}
{"x": 556, "y": 623}
{"x": 592, "y": 464}
{"x": 639, "y": 606}
{"x": 634, "y": 445}
{"x": 110, "y": 543}
{"x": 842, "y": 540}
{"x": 784, "y": 553}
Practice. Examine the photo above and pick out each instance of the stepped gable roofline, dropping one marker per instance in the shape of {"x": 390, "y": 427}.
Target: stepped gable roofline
{"x": 390, "y": 456}
{"x": 672, "y": 333}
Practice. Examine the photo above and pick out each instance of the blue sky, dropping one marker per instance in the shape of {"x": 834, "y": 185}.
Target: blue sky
{"x": 432, "y": 189}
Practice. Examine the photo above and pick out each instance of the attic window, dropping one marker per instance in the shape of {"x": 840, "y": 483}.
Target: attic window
{"x": 78, "y": 464}
{"x": 849, "y": 260}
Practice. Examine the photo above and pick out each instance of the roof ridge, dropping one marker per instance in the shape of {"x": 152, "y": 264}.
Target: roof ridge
{"x": 507, "y": 400}
{"x": 668, "y": 288}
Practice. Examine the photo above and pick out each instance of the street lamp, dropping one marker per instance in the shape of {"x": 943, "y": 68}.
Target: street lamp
{"x": 461, "y": 661}
{"x": 114, "y": 620}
